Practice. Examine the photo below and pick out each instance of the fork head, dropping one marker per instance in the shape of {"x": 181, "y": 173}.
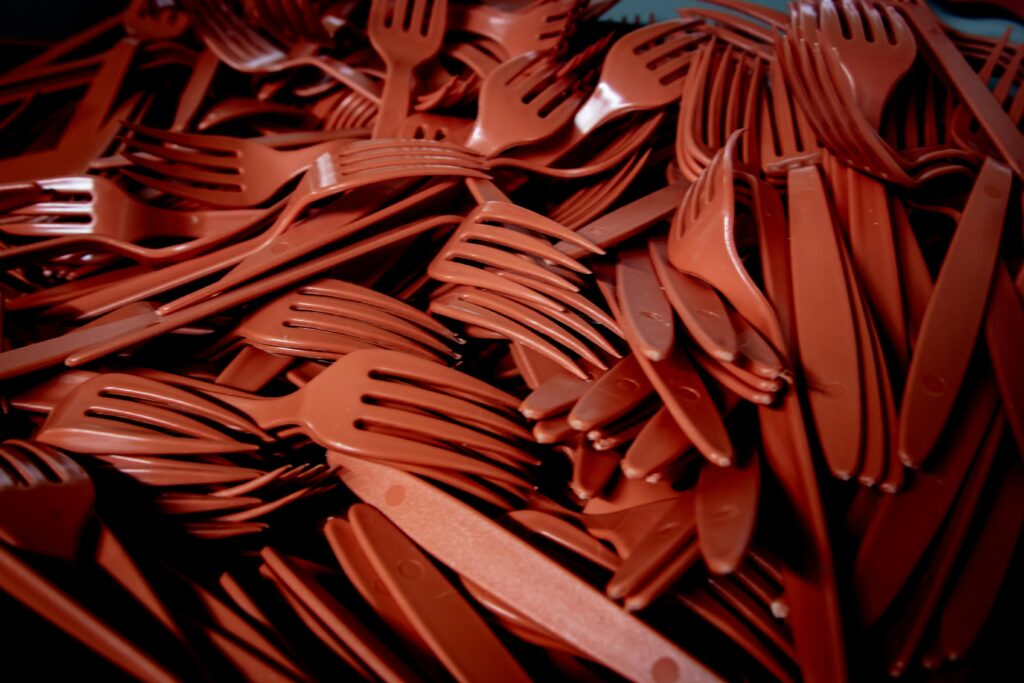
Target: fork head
{"x": 644, "y": 67}
{"x": 514, "y": 283}
{"x": 230, "y": 38}
{"x": 553, "y": 334}
{"x": 407, "y": 32}
{"x": 46, "y": 498}
{"x": 523, "y": 100}
{"x": 129, "y": 415}
{"x": 371, "y": 161}
{"x": 874, "y": 45}
{"x": 721, "y": 94}
{"x": 815, "y": 77}
{"x": 237, "y": 172}
{"x": 786, "y": 136}
{"x": 391, "y": 406}
{"x": 215, "y": 169}
{"x": 330, "y": 318}
{"x": 500, "y": 235}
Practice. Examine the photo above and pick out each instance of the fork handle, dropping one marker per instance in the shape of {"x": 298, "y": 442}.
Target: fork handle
{"x": 394, "y": 101}
{"x": 954, "y": 315}
{"x": 485, "y": 553}
{"x": 32, "y": 590}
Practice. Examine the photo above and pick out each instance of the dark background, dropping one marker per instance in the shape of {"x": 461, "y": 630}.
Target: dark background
{"x": 51, "y": 19}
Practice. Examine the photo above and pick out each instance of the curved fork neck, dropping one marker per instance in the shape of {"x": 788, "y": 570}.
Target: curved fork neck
{"x": 268, "y": 413}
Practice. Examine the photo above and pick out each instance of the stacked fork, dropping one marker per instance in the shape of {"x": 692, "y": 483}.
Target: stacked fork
{"x": 732, "y": 388}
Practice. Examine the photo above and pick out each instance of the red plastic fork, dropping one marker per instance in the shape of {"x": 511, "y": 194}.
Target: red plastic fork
{"x": 405, "y": 33}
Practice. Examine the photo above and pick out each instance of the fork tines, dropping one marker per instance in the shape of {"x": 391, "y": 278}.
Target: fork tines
{"x": 30, "y": 463}
{"x": 129, "y": 414}
{"x": 428, "y": 403}
{"x": 510, "y": 274}
{"x": 329, "y": 318}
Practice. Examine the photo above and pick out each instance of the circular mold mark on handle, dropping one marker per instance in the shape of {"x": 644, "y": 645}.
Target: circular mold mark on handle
{"x": 395, "y": 496}
{"x": 723, "y": 512}
{"x": 665, "y": 670}
{"x": 625, "y": 384}
{"x": 410, "y": 569}
{"x": 934, "y": 384}
{"x": 687, "y": 393}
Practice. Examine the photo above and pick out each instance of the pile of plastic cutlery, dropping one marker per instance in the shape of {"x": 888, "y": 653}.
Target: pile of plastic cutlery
{"x": 430, "y": 340}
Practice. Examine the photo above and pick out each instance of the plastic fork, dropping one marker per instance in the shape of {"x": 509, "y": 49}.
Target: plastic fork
{"x": 405, "y": 33}
{"x": 816, "y": 78}
{"x": 876, "y": 50}
{"x": 144, "y": 329}
{"x": 497, "y": 235}
{"x": 530, "y": 326}
{"x": 356, "y": 165}
{"x": 116, "y": 218}
{"x": 393, "y": 416}
{"x": 641, "y": 71}
{"x": 846, "y": 134}
{"x": 129, "y": 414}
{"x": 787, "y": 139}
{"x": 219, "y": 170}
{"x": 702, "y": 241}
{"x": 246, "y": 50}
{"x": 494, "y": 250}
{"x": 301, "y": 239}
{"x": 591, "y": 201}
{"x": 325, "y": 320}
{"x": 523, "y": 100}
{"x": 720, "y": 96}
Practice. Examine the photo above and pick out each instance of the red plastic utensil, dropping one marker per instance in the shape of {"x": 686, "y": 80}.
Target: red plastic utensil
{"x": 484, "y": 553}
{"x": 954, "y": 315}
{"x": 454, "y": 631}
{"x": 903, "y": 525}
{"x": 825, "y": 330}
{"x": 726, "y": 509}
